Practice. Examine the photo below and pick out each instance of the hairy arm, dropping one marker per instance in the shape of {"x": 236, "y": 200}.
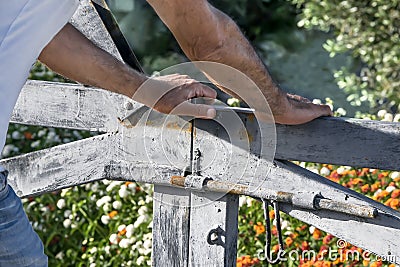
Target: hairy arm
{"x": 207, "y": 34}
{"x": 72, "y": 55}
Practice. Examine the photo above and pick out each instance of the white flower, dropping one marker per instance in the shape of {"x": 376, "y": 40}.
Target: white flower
{"x": 381, "y": 113}
{"x": 341, "y": 111}
{"x": 84, "y": 242}
{"x": 113, "y": 239}
{"x": 64, "y": 192}
{"x": 107, "y": 207}
{"x": 117, "y": 205}
{"x": 390, "y": 188}
{"x": 388, "y": 117}
{"x": 147, "y": 236}
{"x": 233, "y": 101}
{"x": 340, "y": 170}
{"x": 302, "y": 164}
{"x": 132, "y": 186}
{"x": 16, "y": 135}
{"x": 140, "y": 260}
{"x": 92, "y": 264}
{"x": 67, "y": 223}
{"x": 311, "y": 229}
{"x": 112, "y": 185}
{"x": 94, "y": 187}
{"x": 317, "y": 101}
{"x": 149, "y": 262}
{"x": 249, "y": 201}
{"x": 103, "y": 200}
{"x": 142, "y": 210}
{"x": 124, "y": 243}
{"x": 123, "y": 192}
{"x": 107, "y": 249}
{"x": 396, "y": 118}
{"x": 147, "y": 244}
{"x": 242, "y": 201}
{"x": 105, "y": 219}
{"x": 150, "y": 225}
{"x": 284, "y": 224}
{"x": 35, "y": 144}
{"x": 324, "y": 171}
{"x": 93, "y": 250}
{"x": 395, "y": 175}
{"x": 141, "y": 219}
{"x": 377, "y": 192}
{"x": 67, "y": 213}
{"x": 129, "y": 230}
{"x": 61, "y": 203}
{"x": 149, "y": 199}
{"x": 60, "y": 255}
{"x": 141, "y": 202}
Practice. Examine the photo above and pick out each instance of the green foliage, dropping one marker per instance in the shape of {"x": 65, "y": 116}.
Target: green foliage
{"x": 370, "y": 31}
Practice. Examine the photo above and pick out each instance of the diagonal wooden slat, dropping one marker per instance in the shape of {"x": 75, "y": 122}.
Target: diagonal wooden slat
{"x": 378, "y": 235}
{"x": 61, "y": 166}
{"x": 71, "y": 106}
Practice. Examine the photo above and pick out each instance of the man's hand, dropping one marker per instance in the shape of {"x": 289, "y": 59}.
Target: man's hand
{"x": 297, "y": 110}
{"x": 171, "y": 94}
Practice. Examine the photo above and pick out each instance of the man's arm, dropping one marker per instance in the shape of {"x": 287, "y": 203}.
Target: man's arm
{"x": 72, "y": 55}
{"x": 207, "y": 34}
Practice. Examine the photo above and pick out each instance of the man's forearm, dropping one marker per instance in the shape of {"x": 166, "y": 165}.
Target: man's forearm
{"x": 72, "y": 55}
{"x": 207, "y": 34}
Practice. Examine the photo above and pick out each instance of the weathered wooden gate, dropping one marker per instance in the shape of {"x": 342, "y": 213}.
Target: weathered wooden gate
{"x": 195, "y": 220}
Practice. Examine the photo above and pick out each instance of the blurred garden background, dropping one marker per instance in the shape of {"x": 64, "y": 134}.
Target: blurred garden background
{"x": 344, "y": 53}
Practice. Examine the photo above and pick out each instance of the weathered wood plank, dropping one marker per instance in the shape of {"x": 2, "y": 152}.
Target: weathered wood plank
{"x": 87, "y": 21}
{"x": 59, "y": 167}
{"x": 171, "y": 215}
{"x": 71, "y": 106}
{"x": 213, "y": 242}
{"x": 342, "y": 141}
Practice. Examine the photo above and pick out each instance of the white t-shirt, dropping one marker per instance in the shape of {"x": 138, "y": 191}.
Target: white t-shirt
{"x": 26, "y": 27}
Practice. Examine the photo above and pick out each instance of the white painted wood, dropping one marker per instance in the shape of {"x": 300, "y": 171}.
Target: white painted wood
{"x": 208, "y": 220}
{"x": 171, "y": 215}
{"x": 87, "y": 21}
{"x": 71, "y": 106}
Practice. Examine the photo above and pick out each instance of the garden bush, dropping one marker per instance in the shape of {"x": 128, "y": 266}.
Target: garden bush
{"x": 370, "y": 32}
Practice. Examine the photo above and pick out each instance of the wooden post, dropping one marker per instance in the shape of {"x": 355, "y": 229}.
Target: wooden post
{"x": 193, "y": 229}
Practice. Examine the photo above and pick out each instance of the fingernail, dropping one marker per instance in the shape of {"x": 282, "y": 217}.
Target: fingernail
{"x": 211, "y": 113}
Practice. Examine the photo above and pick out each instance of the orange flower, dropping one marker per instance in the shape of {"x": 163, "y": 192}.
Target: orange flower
{"x": 28, "y": 135}
{"x": 365, "y": 188}
{"x": 288, "y": 241}
{"x": 317, "y": 234}
{"x": 374, "y": 187}
{"x": 394, "y": 204}
{"x": 271, "y": 214}
{"x": 128, "y": 183}
{"x": 395, "y": 193}
{"x": 327, "y": 264}
{"x": 305, "y": 245}
{"x": 122, "y": 232}
{"x": 275, "y": 248}
{"x": 112, "y": 214}
{"x": 356, "y": 181}
{"x": 327, "y": 239}
{"x": 259, "y": 228}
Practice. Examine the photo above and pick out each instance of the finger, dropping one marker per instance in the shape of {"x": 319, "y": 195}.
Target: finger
{"x": 195, "y": 110}
{"x": 322, "y": 110}
{"x": 202, "y": 90}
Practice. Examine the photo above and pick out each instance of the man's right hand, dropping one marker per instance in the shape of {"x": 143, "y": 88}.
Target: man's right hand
{"x": 171, "y": 94}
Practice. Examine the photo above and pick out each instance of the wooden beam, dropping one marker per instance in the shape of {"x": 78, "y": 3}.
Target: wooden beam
{"x": 59, "y": 167}
{"x": 71, "y": 106}
{"x": 342, "y": 141}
